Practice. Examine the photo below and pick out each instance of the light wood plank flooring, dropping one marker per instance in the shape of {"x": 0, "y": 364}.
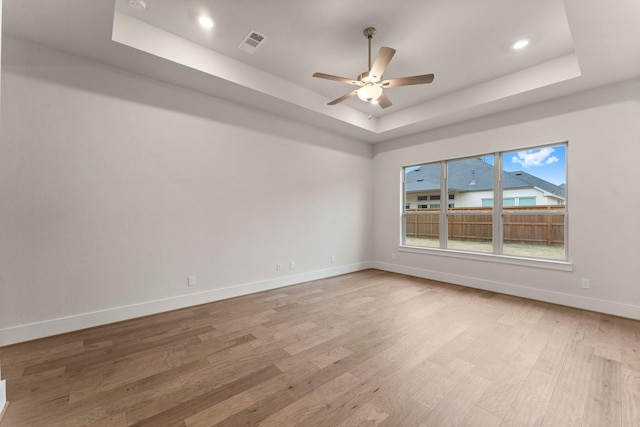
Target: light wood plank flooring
{"x": 369, "y": 348}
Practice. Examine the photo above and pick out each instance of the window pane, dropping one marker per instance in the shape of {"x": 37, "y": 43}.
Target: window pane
{"x": 534, "y": 226}
{"x": 469, "y": 223}
{"x": 539, "y": 174}
{"x": 534, "y": 235}
{"x": 470, "y": 181}
{"x": 422, "y": 221}
{"x": 422, "y": 229}
{"x": 470, "y": 232}
{"x": 420, "y": 182}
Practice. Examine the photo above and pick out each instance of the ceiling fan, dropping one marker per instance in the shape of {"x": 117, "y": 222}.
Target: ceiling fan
{"x": 370, "y": 83}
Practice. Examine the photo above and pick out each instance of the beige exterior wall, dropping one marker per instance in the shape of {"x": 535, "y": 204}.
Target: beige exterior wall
{"x": 474, "y": 199}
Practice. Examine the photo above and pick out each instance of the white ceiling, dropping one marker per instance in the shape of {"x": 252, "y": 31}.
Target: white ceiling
{"x": 576, "y": 45}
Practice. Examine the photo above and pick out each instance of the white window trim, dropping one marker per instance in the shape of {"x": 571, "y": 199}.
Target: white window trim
{"x": 487, "y": 257}
{"x": 497, "y": 256}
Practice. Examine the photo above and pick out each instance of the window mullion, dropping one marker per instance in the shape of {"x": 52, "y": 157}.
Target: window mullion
{"x": 444, "y": 206}
{"x": 497, "y": 228}
{"x": 403, "y": 209}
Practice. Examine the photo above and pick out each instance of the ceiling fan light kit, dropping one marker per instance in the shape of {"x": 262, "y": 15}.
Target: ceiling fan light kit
{"x": 370, "y": 82}
{"x": 369, "y": 92}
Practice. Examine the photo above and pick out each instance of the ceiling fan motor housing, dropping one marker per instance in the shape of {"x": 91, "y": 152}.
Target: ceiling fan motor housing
{"x": 364, "y": 78}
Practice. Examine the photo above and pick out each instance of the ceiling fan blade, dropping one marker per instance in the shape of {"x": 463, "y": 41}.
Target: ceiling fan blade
{"x": 381, "y": 62}
{"x": 406, "y": 81}
{"x": 343, "y": 98}
{"x": 383, "y": 101}
{"x": 336, "y": 78}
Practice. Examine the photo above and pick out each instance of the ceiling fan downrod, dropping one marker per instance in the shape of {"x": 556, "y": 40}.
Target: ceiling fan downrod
{"x": 369, "y": 32}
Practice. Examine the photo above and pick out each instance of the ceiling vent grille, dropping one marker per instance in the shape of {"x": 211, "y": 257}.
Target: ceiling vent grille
{"x": 252, "y": 41}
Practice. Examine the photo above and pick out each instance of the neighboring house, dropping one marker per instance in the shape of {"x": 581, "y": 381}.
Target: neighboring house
{"x": 470, "y": 184}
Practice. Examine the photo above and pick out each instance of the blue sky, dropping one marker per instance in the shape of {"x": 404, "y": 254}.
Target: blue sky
{"x": 548, "y": 163}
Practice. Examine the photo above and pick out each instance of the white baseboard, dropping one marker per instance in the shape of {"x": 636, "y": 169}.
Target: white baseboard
{"x": 51, "y": 327}
{"x": 570, "y": 300}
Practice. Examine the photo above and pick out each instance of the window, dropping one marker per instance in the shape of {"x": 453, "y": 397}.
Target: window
{"x": 512, "y": 201}
{"x": 422, "y": 198}
{"x": 526, "y": 201}
{"x": 469, "y": 225}
{"x": 507, "y": 203}
{"x": 422, "y": 227}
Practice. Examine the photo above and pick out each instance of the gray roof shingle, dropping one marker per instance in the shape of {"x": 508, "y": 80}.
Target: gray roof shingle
{"x": 473, "y": 175}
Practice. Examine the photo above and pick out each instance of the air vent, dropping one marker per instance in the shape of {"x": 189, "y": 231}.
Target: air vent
{"x": 252, "y": 41}
{"x": 137, "y": 5}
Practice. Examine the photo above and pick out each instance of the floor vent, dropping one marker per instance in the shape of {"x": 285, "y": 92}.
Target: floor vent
{"x": 252, "y": 41}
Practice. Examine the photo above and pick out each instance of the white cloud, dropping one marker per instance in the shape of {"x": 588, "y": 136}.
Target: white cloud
{"x": 533, "y": 158}
{"x": 551, "y": 159}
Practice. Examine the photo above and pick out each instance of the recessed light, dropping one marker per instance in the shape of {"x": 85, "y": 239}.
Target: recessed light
{"x": 520, "y": 44}
{"x": 206, "y": 21}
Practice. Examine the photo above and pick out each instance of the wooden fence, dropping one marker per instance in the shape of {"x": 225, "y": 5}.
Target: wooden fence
{"x": 475, "y": 224}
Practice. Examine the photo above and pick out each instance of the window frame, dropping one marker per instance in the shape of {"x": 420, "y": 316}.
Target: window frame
{"x": 498, "y": 216}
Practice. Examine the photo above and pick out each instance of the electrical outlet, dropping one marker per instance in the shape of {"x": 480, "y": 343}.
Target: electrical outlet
{"x": 393, "y": 255}
{"x": 278, "y": 267}
{"x": 191, "y": 281}
{"x": 586, "y": 283}
{"x": 333, "y": 259}
{"x": 292, "y": 265}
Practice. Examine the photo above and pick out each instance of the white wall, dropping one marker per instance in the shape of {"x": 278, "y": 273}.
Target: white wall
{"x": 603, "y": 130}
{"x": 114, "y": 188}
{"x": 3, "y": 384}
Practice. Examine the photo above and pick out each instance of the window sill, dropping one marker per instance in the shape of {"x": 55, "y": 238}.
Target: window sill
{"x": 499, "y": 259}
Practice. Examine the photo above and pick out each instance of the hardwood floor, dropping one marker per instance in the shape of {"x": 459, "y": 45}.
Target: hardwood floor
{"x": 369, "y": 348}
